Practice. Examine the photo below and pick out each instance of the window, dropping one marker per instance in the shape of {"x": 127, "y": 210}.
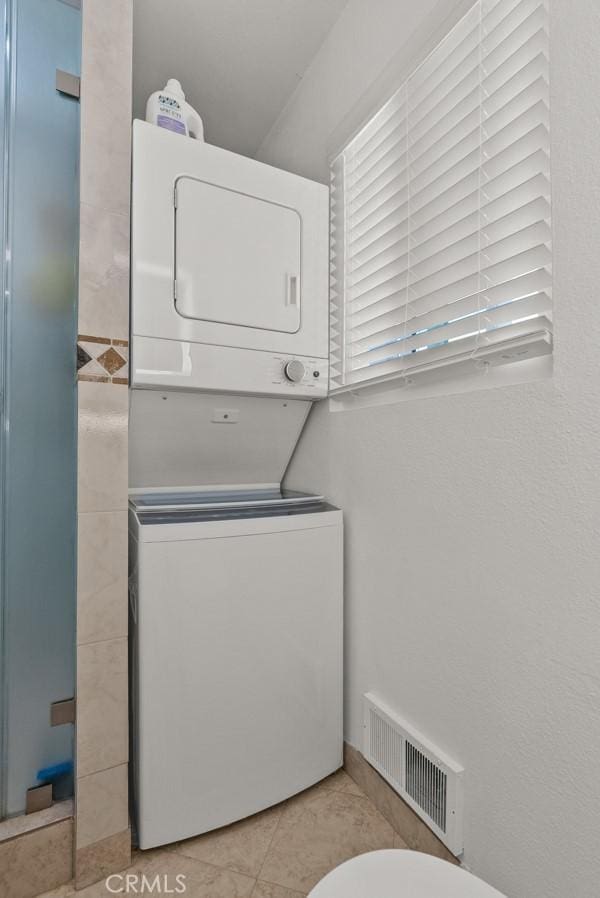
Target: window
{"x": 440, "y": 211}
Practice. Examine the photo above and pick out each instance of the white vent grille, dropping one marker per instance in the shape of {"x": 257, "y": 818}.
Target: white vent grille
{"x": 385, "y": 744}
{"x": 426, "y": 784}
{"x": 429, "y": 781}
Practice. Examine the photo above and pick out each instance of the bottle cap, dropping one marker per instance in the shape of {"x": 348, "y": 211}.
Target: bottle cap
{"x": 174, "y": 87}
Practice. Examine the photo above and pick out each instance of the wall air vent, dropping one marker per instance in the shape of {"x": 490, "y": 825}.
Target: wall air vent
{"x": 428, "y": 781}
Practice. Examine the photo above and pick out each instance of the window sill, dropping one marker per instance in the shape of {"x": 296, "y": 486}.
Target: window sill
{"x": 427, "y": 385}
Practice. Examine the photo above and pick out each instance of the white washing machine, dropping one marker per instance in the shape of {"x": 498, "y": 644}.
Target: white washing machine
{"x": 237, "y": 634}
{"x": 230, "y": 271}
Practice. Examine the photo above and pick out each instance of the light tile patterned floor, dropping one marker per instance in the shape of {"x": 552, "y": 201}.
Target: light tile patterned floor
{"x": 280, "y": 853}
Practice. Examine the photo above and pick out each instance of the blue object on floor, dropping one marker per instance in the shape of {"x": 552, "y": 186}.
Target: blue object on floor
{"x": 49, "y": 774}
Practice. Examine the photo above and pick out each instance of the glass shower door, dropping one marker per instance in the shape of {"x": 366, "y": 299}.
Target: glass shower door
{"x": 40, "y": 139}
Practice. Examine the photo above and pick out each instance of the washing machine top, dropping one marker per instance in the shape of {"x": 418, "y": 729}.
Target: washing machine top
{"x": 224, "y": 505}
{"x": 159, "y": 502}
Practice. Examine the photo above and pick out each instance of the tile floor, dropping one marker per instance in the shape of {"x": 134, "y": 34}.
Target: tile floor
{"x": 280, "y": 853}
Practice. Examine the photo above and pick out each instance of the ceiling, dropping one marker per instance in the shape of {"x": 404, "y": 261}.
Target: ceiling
{"x": 238, "y": 60}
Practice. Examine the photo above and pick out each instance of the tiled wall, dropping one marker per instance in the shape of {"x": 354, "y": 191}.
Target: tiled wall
{"x": 102, "y": 825}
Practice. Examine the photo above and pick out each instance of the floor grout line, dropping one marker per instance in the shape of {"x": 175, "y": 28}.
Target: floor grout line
{"x": 264, "y": 860}
{"x": 270, "y": 845}
{"x": 278, "y": 886}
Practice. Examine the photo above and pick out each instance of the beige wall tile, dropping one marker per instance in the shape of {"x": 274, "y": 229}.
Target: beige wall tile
{"x": 101, "y": 805}
{"x": 102, "y": 722}
{"x": 102, "y": 451}
{"x": 37, "y": 861}
{"x": 103, "y": 273}
{"x": 106, "y": 104}
{"x": 101, "y": 576}
{"x": 94, "y": 862}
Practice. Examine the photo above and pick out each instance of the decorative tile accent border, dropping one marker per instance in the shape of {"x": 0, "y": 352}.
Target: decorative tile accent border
{"x": 103, "y": 360}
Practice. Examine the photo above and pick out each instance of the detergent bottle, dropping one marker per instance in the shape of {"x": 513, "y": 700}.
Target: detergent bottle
{"x": 168, "y": 109}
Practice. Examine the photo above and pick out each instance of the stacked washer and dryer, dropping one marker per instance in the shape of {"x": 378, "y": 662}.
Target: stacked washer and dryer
{"x": 235, "y": 582}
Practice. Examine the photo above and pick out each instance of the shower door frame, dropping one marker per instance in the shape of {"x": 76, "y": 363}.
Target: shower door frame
{"x": 7, "y": 95}
{"x": 21, "y": 72}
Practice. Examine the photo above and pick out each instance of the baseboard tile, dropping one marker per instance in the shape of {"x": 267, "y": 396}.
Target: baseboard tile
{"x": 97, "y": 861}
{"x": 37, "y": 861}
{"x": 408, "y": 825}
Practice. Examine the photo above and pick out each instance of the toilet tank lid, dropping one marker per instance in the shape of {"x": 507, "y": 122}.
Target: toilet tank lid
{"x": 399, "y": 873}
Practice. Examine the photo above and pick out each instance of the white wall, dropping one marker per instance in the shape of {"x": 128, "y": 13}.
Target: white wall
{"x": 473, "y": 521}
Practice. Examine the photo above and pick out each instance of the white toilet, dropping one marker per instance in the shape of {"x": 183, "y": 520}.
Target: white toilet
{"x": 397, "y": 873}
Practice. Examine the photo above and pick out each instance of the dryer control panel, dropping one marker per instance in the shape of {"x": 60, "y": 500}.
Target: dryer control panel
{"x": 303, "y": 372}
{"x": 173, "y": 365}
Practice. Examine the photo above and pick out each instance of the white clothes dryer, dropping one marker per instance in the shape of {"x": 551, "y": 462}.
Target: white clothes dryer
{"x": 229, "y": 268}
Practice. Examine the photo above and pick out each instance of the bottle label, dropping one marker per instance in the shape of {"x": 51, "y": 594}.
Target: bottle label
{"x": 169, "y": 101}
{"x": 163, "y": 121}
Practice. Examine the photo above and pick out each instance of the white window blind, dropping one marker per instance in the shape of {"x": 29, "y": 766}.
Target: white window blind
{"x": 440, "y": 210}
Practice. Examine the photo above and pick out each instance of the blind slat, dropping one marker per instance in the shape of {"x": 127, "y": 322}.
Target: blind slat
{"x": 389, "y": 183}
{"x": 441, "y": 234}
{"x": 393, "y": 220}
{"x": 380, "y": 125}
{"x": 379, "y": 244}
{"x": 420, "y": 118}
{"x": 536, "y": 281}
{"x": 422, "y": 248}
{"x": 402, "y": 321}
{"x": 381, "y": 142}
{"x": 435, "y": 69}
{"x": 464, "y": 116}
{"x": 430, "y": 103}
{"x": 444, "y": 351}
{"x": 393, "y": 159}
{"x": 384, "y": 256}
{"x": 400, "y": 339}
{"x": 460, "y": 174}
{"x": 520, "y": 56}
{"x": 516, "y": 28}
{"x": 423, "y": 176}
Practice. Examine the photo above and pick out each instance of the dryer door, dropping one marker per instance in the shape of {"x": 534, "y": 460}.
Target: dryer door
{"x": 237, "y": 258}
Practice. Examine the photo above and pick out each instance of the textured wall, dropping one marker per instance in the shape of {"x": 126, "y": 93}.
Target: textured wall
{"x": 102, "y": 820}
{"x": 473, "y": 521}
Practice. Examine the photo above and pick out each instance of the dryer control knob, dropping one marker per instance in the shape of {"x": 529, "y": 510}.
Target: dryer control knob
{"x": 294, "y": 371}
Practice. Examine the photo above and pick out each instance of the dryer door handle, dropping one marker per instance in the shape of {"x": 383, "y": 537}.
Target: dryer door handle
{"x": 292, "y": 290}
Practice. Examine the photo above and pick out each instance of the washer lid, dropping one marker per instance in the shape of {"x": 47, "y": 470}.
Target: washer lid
{"x": 197, "y": 442}
{"x": 220, "y": 500}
